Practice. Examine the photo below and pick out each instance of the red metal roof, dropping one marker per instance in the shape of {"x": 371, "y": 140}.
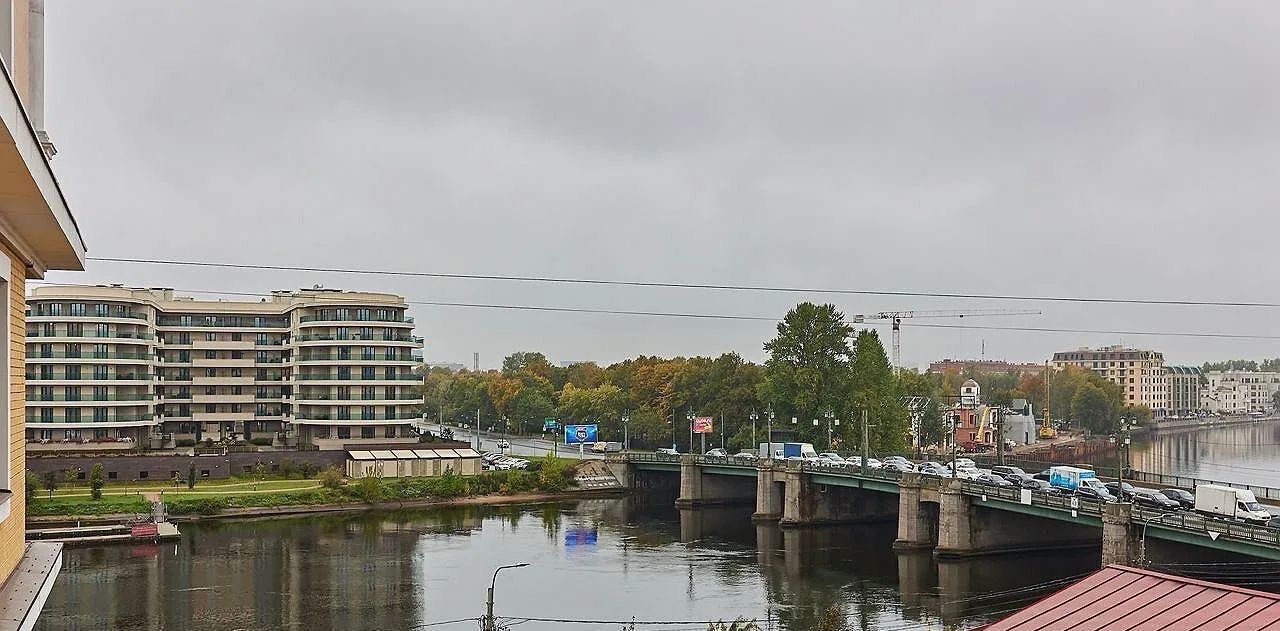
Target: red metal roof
{"x": 1119, "y": 598}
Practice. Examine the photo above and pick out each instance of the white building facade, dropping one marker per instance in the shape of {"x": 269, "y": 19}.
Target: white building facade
{"x": 1239, "y": 391}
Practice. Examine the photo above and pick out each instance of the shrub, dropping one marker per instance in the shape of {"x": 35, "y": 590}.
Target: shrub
{"x": 191, "y": 475}
{"x": 331, "y": 478}
{"x": 50, "y": 482}
{"x": 96, "y": 481}
{"x": 288, "y": 468}
{"x": 33, "y": 484}
{"x": 369, "y": 489}
{"x": 199, "y": 505}
{"x": 551, "y": 474}
{"x": 448, "y": 485}
{"x": 309, "y": 469}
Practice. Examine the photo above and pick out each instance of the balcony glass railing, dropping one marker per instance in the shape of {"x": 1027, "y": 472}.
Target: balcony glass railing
{"x": 91, "y": 398}
{"x": 356, "y": 421}
{"x": 91, "y": 335}
{"x": 330, "y": 317}
{"x": 332, "y": 377}
{"x": 128, "y": 315}
{"x": 356, "y": 338}
{"x": 331, "y": 399}
{"x": 88, "y": 377}
{"x": 88, "y": 355}
{"x": 377, "y": 357}
{"x": 229, "y": 324}
{"x": 36, "y": 419}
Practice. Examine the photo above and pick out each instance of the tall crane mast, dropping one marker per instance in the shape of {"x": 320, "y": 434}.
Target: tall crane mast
{"x": 896, "y": 318}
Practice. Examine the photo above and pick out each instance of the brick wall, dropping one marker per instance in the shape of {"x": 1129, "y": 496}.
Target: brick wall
{"x": 13, "y": 529}
{"x": 129, "y": 468}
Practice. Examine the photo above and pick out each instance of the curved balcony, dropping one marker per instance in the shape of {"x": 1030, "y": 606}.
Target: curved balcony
{"x": 115, "y": 318}
{"x": 329, "y": 320}
{"x": 355, "y": 340}
{"x": 115, "y": 338}
{"x": 311, "y": 399}
{"x": 110, "y": 357}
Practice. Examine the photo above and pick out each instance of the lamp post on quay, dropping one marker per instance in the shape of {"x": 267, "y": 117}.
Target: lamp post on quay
{"x": 489, "y": 623}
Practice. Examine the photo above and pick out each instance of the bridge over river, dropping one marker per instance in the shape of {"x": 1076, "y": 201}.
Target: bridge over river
{"x": 953, "y": 517}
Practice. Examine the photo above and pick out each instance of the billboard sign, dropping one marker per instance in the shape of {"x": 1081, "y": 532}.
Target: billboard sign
{"x": 579, "y": 434}
{"x": 704, "y": 425}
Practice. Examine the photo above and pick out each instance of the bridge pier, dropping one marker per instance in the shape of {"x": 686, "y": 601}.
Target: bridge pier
{"x": 623, "y": 471}
{"x": 700, "y": 488}
{"x": 968, "y": 526}
{"x": 769, "y": 493}
{"x": 954, "y": 535}
{"x": 915, "y": 523}
{"x": 1117, "y": 537}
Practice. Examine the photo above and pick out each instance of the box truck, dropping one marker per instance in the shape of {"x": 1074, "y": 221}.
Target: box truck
{"x": 1072, "y": 478}
{"x": 1223, "y": 501}
{"x": 787, "y": 450}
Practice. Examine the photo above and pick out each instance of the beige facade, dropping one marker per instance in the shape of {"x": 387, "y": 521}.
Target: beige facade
{"x": 1239, "y": 391}
{"x": 37, "y": 233}
{"x": 1140, "y": 374}
{"x": 127, "y": 368}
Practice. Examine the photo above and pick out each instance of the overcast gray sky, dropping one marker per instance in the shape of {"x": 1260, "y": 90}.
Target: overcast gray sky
{"x": 1084, "y": 148}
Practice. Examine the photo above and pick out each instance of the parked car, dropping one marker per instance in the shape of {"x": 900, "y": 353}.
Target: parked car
{"x": 746, "y": 455}
{"x": 718, "y": 453}
{"x": 898, "y": 459}
{"x": 504, "y": 443}
{"x": 901, "y": 467}
{"x": 992, "y": 479}
{"x": 1041, "y": 486}
{"x": 965, "y": 462}
{"x": 666, "y": 451}
{"x": 1153, "y": 499}
{"x": 1182, "y": 496}
{"x": 1017, "y": 478}
{"x": 1274, "y": 522}
{"x": 832, "y": 456}
{"x": 934, "y": 469}
{"x": 1004, "y": 470}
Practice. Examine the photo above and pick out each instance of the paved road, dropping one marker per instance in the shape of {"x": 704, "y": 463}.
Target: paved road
{"x": 520, "y": 445}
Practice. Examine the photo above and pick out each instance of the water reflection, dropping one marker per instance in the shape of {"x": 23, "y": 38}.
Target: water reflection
{"x": 615, "y": 559}
{"x": 1248, "y": 453}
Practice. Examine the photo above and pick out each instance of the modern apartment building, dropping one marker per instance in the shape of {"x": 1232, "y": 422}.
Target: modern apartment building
{"x": 1184, "y": 389}
{"x": 126, "y": 368}
{"x": 37, "y": 233}
{"x": 1239, "y": 391}
{"x": 1140, "y": 373}
{"x": 984, "y": 366}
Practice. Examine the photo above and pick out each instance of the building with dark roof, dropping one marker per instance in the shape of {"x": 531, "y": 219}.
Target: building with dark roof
{"x": 1119, "y": 598}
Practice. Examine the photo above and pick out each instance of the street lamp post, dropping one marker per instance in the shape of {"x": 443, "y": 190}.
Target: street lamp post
{"x": 689, "y": 416}
{"x": 626, "y": 435}
{"x": 490, "y": 624}
{"x": 754, "y": 417}
{"x": 831, "y": 419}
{"x": 770, "y": 441}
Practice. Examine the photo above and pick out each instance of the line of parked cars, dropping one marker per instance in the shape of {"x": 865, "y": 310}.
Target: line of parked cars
{"x": 497, "y": 461}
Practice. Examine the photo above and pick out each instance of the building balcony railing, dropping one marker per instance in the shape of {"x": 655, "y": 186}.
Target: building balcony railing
{"x": 88, "y": 420}
{"x": 332, "y": 377}
{"x": 377, "y": 357}
{"x": 409, "y": 339}
{"x": 89, "y": 377}
{"x": 356, "y": 421}
{"x": 92, "y": 335}
{"x": 91, "y": 399}
{"x": 90, "y": 355}
{"x": 331, "y": 317}
{"x": 225, "y": 324}
{"x": 120, "y": 315}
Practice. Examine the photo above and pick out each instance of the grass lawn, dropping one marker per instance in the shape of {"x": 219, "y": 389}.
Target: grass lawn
{"x": 231, "y": 486}
{"x": 85, "y": 506}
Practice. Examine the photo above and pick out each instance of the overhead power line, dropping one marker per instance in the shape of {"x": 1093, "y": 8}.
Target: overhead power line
{"x": 714, "y": 286}
{"x": 721, "y": 316}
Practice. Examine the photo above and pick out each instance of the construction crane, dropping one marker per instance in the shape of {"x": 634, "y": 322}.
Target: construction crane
{"x": 896, "y": 317}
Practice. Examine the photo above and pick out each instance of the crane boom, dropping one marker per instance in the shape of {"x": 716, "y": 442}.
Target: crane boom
{"x": 896, "y": 318}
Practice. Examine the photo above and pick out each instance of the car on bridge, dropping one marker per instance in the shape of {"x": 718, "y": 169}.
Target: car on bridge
{"x": 1099, "y": 493}
{"x": 1153, "y": 499}
{"x": 717, "y": 453}
{"x": 1122, "y": 490}
{"x": 833, "y": 457}
{"x": 992, "y": 479}
{"x": 934, "y": 469}
{"x": 1006, "y": 470}
{"x": 1182, "y": 496}
{"x": 897, "y": 459}
{"x": 899, "y": 466}
{"x": 1037, "y": 485}
{"x": 666, "y": 451}
{"x": 746, "y": 455}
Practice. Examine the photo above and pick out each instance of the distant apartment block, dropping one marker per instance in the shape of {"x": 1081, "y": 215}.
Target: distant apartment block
{"x": 984, "y": 366}
{"x": 126, "y": 368}
{"x": 1140, "y": 373}
{"x": 450, "y": 366}
{"x": 1184, "y": 389}
{"x": 1239, "y": 391}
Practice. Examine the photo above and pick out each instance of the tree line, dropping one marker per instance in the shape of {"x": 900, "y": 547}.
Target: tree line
{"x": 820, "y": 376}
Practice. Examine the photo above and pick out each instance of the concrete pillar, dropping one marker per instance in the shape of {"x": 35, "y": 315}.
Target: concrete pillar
{"x": 1117, "y": 538}
{"x": 914, "y": 529}
{"x": 768, "y": 495}
{"x": 797, "y": 503}
{"x": 955, "y": 536}
{"x": 690, "y": 483}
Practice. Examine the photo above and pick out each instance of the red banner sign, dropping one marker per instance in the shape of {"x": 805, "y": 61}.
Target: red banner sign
{"x": 704, "y": 425}
{"x": 142, "y": 531}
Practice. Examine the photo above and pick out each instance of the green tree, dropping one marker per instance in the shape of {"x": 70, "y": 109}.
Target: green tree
{"x": 288, "y": 468}
{"x": 807, "y": 369}
{"x": 191, "y": 475}
{"x": 32, "y": 485}
{"x": 50, "y": 480}
{"x": 1092, "y": 410}
{"x": 308, "y": 470}
{"x": 96, "y": 481}
{"x": 872, "y": 387}
{"x": 70, "y": 475}
{"x": 369, "y": 488}
{"x": 527, "y": 361}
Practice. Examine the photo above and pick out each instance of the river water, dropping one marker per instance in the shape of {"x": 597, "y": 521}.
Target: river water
{"x": 608, "y": 560}
{"x": 1248, "y": 453}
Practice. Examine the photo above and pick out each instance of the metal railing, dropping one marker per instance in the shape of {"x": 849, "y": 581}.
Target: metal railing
{"x": 356, "y": 338}
{"x": 334, "y": 318}
{"x": 356, "y": 378}
{"x": 88, "y": 316}
{"x": 1190, "y": 483}
{"x": 92, "y": 336}
{"x": 1195, "y": 522}
{"x": 90, "y": 399}
{"x": 90, "y": 355}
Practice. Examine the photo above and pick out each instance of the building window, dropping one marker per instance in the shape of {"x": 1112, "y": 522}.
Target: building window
{"x": 390, "y": 431}
{"x": 344, "y": 432}
{"x": 366, "y": 413}
{"x": 366, "y": 431}
{"x": 368, "y": 372}
{"x": 111, "y": 475}
{"x": 322, "y": 431}
{"x": 142, "y": 475}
